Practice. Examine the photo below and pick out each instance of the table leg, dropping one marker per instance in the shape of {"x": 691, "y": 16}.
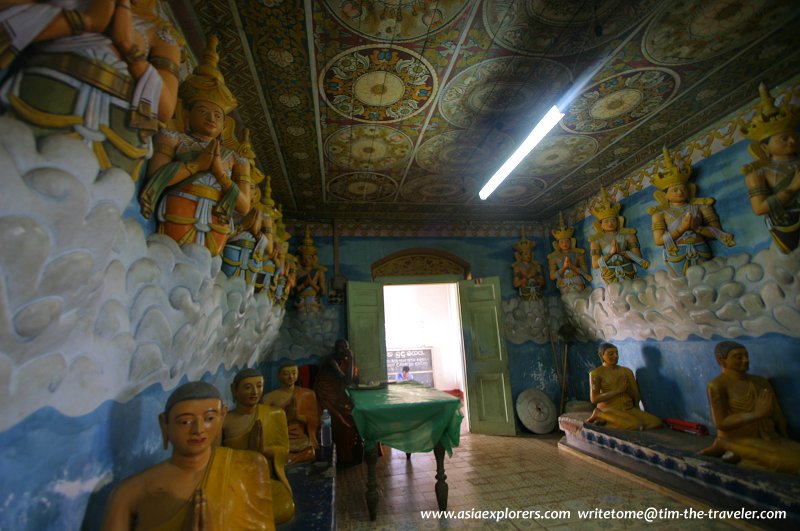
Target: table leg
{"x": 441, "y": 485}
{"x": 372, "y": 483}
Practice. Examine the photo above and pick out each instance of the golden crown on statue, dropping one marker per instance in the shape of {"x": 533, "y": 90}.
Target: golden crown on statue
{"x": 768, "y": 119}
{"x": 206, "y": 82}
{"x": 562, "y": 232}
{"x": 605, "y": 208}
{"x": 672, "y": 174}
{"x": 524, "y": 244}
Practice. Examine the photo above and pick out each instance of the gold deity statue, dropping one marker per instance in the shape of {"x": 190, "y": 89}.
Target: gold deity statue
{"x": 751, "y": 428}
{"x": 567, "y": 263}
{"x": 615, "y": 394}
{"x": 682, "y": 223}
{"x": 773, "y": 181}
{"x": 311, "y": 284}
{"x": 614, "y": 248}
{"x": 262, "y": 428}
{"x": 528, "y": 275}
{"x": 195, "y": 184}
{"x": 302, "y": 414}
{"x": 199, "y": 486}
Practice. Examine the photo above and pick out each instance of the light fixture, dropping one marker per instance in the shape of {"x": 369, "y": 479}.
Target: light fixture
{"x": 542, "y": 128}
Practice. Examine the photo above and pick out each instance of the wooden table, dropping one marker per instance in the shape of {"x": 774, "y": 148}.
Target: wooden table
{"x": 411, "y": 418}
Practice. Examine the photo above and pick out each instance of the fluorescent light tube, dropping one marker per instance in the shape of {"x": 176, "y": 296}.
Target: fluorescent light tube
{"x": 542, "y": 128}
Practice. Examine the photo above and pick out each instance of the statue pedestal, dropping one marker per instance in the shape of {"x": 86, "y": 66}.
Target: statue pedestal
{"x": 314, "y": 489}
{"x": 670, "y": 458}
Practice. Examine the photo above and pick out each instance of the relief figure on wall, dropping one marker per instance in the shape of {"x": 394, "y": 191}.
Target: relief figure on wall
{"x": 751, "y": 428}
{"x": 773, "y": 181}
{"x": 311, "y": 283}
{"x": 615, "y": 249}
{"x": 528, "y": 275}
{"x": 223, "y": 488}
{"x": 681, "y": 222}
{"x": 103, "y": 71}
{"x": 195, "y": 183}
{"x": 567, "y": 263}
{"x": 615, "y": 394}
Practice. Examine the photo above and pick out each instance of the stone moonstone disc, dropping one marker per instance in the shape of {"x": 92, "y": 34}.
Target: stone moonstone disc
{"x": 536, "y": 411}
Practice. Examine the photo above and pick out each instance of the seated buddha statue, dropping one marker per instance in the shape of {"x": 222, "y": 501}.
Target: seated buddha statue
{"x": 220, "y": 488}
{"x": 261, "y": 428}
{"x": 302, "y": 415}
{"x": 614, "y": 392}
{"x": 751, "y": 428}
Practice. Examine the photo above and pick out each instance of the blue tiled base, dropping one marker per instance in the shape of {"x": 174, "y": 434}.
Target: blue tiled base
{"x": 314, "y": 488}
{"x": 670, "y": 458}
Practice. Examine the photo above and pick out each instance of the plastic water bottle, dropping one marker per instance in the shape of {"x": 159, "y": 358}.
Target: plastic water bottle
{"x": 326, "y": 435}
{"x": 325, "y": 452}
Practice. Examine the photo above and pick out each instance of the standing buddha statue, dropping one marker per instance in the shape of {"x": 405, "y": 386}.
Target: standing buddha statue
{"x": 682, "y": 222}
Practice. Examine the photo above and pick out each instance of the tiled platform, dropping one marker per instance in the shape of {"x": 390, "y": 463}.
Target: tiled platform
{"x": 671, "y": 459}
{"x": 314, "y": 489}
{"x": 518, "y": 473}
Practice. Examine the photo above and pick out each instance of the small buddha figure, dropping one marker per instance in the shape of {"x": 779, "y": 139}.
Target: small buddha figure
{"x": 199, "y": 486}
{"x": 103, "y": 71}
{"x": 682, "y": 222}
{"x": 195, "y": 183}
{"x": 302, "y": 415}
{"x": 613, "y": 391}
{"x": 773, "y": 181}
{"x": 311, "y": 283}
{"x": 751, "y": 428}
{"x": 567, "y": 263}
{"x": 528, "y": 275}
{"x": 337, "y": 372}
{"x": 261, "y": 428}
{"x": 615, "y": 249}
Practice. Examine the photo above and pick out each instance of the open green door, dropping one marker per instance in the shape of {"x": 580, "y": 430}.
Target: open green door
{"x": 365, "y": 329}
{"x": 486, "y": 362}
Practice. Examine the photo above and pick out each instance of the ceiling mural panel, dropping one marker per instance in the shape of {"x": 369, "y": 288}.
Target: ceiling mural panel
{"x": 402, "y": 109}
{"x": 395, "y": 20}
{"x": 508, "y": 90}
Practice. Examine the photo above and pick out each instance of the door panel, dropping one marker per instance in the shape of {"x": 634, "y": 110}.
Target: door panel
{"x": 365, "y": 329}
{"x": 488, "y": 384}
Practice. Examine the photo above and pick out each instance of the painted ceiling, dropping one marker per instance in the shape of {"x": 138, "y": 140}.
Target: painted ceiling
{"x": 402, "y": 109}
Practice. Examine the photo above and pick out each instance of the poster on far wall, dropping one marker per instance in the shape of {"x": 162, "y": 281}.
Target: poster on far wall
{"x": 418, "y": 360}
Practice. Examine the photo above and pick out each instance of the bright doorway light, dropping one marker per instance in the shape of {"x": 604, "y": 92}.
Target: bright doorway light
{"x": 539, "y": 132}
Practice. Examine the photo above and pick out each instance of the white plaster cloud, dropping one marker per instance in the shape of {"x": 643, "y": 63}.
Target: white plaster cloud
{"x": 90, "y": 309}
{"x": 730, "y": 296}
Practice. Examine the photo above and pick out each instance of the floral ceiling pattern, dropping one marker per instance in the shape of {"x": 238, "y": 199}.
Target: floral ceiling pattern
{"x": 402, "y": 109}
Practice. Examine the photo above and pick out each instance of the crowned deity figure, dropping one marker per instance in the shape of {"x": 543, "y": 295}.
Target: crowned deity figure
{"x": 269, "y": 218}
{"x": 195, "y": 184}
{"x": 682, "y": 223}
{"x": 243, "y": 255}
{"x": 528, "y": 275}
{"x": 615, "y": 249}
{"x": 773, "y": 180}
{"x": 311, "y": 283}
{"x": 567, "y": 263}
{"x": 104, "y": 71}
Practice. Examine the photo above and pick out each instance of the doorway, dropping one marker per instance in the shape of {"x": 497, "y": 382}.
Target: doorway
{"x": 424, "y": 333}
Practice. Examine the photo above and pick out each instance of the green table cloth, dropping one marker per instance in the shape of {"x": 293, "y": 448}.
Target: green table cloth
{"x": 408, "y": 417}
